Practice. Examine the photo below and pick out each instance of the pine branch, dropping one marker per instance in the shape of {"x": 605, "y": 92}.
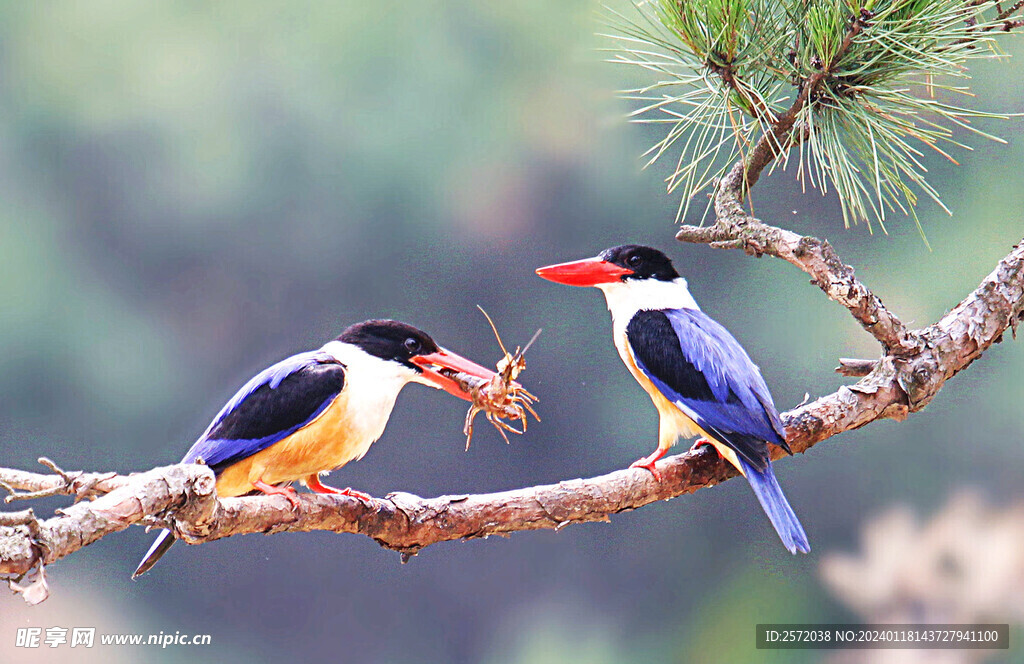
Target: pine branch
{"x": 736, "y": 229}
{"x": 872, "y": 83}
{"x": 182, "y": 497}
{"x": 855, "y": 368}
{"x": 1004, "y": 21}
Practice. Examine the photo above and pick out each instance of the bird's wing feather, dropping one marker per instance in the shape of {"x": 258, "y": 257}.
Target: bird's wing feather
{"x": 699, "y": 366}
{"x": 274, "y": 404}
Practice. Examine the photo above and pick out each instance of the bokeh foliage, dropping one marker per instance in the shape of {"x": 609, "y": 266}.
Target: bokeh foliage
{"x": 196, "y": 190}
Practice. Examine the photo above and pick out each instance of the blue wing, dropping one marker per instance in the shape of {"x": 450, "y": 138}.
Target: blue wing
{"x": 274, "y": 404}
{"x": 699, "y": 366}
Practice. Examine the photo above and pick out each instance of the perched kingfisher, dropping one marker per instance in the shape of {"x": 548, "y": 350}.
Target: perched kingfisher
{"x": 316, "y": 411}
{"x": 699, "y": 377}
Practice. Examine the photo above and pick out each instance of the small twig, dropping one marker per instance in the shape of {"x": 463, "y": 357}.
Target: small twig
{"x": 56, "y": 469}
{"x": 68, "y": 481}
{"x": 855, "y": 368}
{"x": 87, "y": 486}
{"x": 735, "y": 229}
{"x": 32, "y": 495}
{"x": 1003, "y": 15}
{"x": 81, "y": 484}
{"x": 23, "y": 517}
{"x": 1002, "y": 20}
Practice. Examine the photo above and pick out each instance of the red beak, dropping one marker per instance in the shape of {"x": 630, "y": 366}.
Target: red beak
{"x": 587, "y": 272}
{"x": 449, "y": 360}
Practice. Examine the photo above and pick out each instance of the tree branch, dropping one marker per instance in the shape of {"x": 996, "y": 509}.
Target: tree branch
{"x": 735, "y": 228}
{"x": 1005, "y": 20}
{"x": 182, "y": 497}
{"x": 24, "y": 542}
{"x": 855, "y": 368}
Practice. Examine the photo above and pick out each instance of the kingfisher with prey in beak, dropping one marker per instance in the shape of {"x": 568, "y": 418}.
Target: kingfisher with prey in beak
{"x": 316, "y": 411}
{"x": 701, "y": 380}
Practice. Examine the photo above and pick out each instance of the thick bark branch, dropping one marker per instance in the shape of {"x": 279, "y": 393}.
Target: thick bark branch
{"x": 914, "y": 366}
{"x": 182, "y": 497}
{"x": 128, "y": 500}
{"x": 735, "y": 229}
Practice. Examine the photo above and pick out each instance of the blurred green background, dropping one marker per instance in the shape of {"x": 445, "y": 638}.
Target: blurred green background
{"x": 194, "y": 190}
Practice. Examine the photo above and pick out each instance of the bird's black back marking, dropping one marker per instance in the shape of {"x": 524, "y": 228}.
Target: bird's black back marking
{"x": 655, "y": 343}
{"x": 657, "y": 348}
{"x": 268, "y": 411}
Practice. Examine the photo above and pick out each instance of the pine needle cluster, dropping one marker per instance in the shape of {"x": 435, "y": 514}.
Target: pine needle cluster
{"x": 855, "y": 90}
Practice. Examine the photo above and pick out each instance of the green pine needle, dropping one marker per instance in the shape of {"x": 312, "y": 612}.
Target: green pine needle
{"x": 879, "y": 74}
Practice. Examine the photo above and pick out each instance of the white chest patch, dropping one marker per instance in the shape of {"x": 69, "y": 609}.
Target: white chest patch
{"x": 371, "y": 388}
{"x": 625, "y": 298}
{"x": 341, "y": 433}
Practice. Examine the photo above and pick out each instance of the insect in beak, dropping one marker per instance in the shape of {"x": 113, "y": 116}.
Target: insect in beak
{"x": 499, "y": 397}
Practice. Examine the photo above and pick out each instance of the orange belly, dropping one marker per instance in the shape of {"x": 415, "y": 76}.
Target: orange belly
{"x": 330, "y": 441}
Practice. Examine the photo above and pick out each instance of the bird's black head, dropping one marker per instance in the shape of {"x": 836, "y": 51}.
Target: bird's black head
{"x": 642, "y": 262}
{"x": 390, "y": 340}
{"x": 431, "y": 365}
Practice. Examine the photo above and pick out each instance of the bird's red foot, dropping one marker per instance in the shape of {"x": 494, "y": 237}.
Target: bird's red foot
{"x": 648, "y": 462}
{"x": 349, "y": 491}
{"x": 314, "y": 484}
{"x": 287, "y": 491}
{"x": 704, "y": 441}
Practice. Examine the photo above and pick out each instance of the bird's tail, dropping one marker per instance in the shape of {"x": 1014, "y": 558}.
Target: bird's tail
{"x": 769, "y": 494}
{"x": 162, "y": 542}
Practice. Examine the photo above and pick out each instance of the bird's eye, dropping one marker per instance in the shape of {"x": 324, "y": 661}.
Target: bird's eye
{"x": 634, "y": 260}
{"x": 412, "y": 345}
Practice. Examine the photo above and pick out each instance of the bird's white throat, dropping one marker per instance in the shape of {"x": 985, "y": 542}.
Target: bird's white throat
{"x": 625, "y": 298}
{"x": 371, "y": 385}
{"x": 391, "y": 375}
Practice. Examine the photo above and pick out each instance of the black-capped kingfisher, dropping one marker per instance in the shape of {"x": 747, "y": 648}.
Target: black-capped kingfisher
{"x": 316, "y": 411}
{"x": 701, "y": 380}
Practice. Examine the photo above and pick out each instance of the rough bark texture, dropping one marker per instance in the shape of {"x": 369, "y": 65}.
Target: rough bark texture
{"x": 913, "y": 367}
{"x": 128, "y": 500}
{"x": 735, "y": 229}
{"x": 182, "y": 497}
